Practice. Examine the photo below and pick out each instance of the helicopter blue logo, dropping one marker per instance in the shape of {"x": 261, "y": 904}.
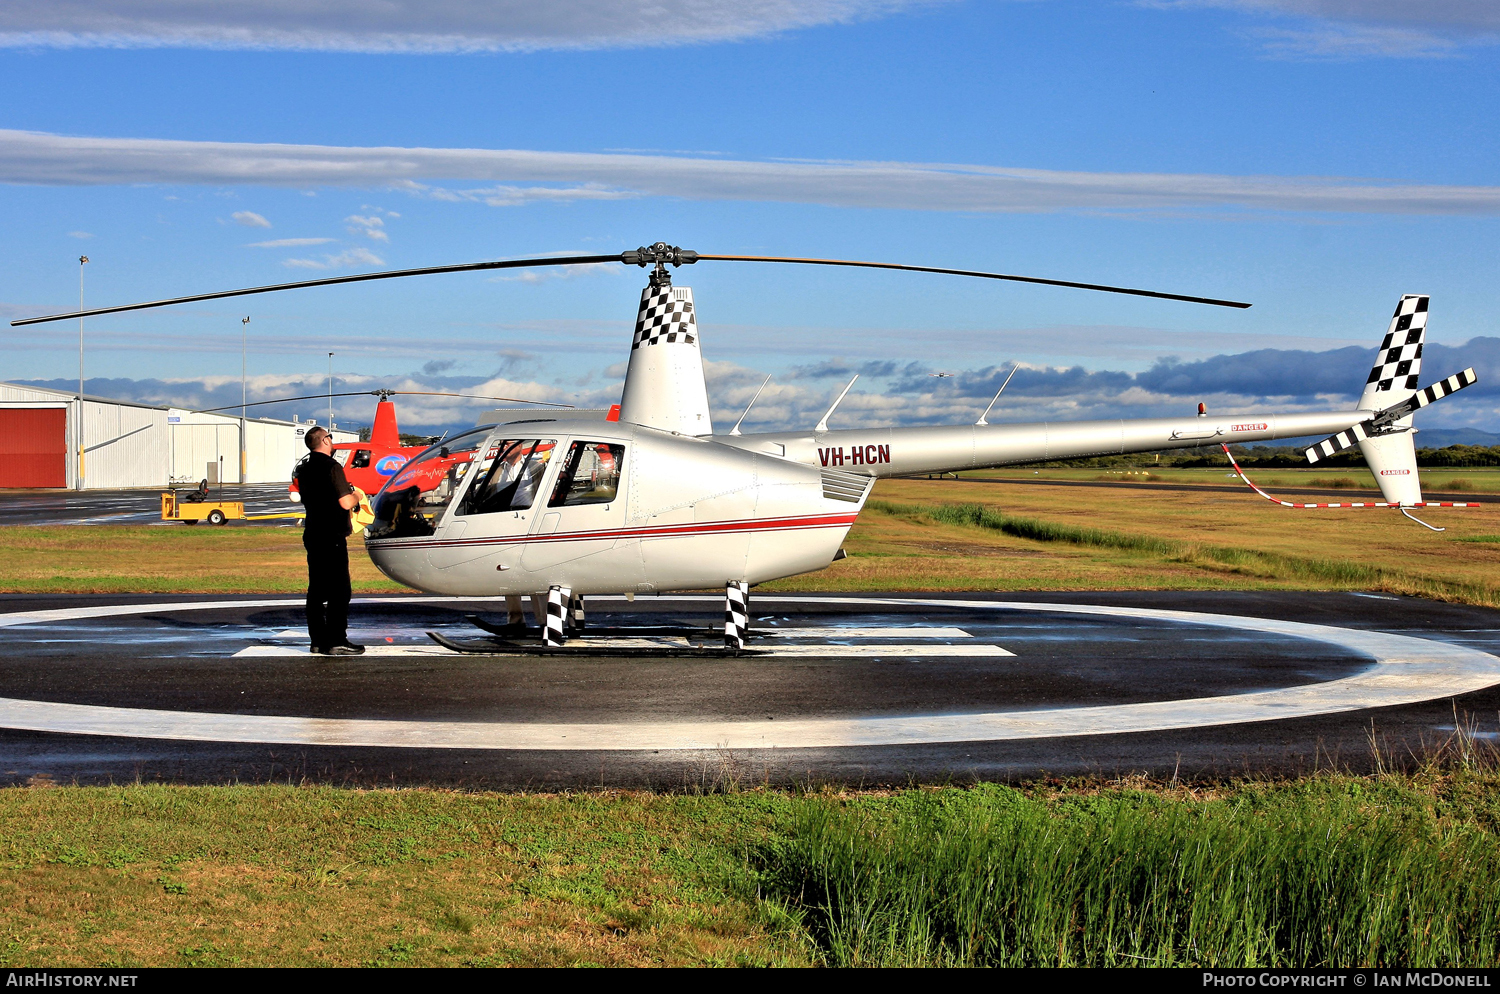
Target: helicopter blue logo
{"x": 389, "y": 464}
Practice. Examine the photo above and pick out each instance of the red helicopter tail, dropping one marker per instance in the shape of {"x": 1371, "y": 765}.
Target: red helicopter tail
{"x": 384, "y": 432}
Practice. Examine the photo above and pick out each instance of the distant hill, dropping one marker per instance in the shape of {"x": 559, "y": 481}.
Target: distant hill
{"x": 1439, "y": 438}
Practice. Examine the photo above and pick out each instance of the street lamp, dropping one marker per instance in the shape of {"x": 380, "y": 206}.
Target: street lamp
{"x": 83, "y": 260}
{"x": 244, "y": 460}
{"x": 330, "y": 393}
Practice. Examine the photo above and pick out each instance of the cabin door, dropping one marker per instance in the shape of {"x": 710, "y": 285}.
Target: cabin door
{"x": 585, "y": 512}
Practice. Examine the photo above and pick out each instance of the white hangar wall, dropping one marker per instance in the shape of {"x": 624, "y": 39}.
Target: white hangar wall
{"x": 135, "y": 445}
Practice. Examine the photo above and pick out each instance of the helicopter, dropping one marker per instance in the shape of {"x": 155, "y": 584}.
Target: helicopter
{"x": 560, "y": 507}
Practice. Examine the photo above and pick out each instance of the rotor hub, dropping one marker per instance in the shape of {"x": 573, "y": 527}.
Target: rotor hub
{"x": 661, "y": 255}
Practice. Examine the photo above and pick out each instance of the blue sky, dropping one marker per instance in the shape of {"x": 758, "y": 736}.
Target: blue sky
{"x": 1315, "y": 157}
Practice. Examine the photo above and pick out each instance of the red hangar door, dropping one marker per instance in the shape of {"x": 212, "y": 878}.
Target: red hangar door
{"x": 34, "y": 447}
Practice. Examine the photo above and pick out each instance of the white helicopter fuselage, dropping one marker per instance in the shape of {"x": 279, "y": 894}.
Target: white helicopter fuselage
{"x": 689, "y": 513}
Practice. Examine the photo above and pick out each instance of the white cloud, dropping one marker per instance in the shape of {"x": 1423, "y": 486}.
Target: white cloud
{"x": 1468, "y": 16}
{"x": 289, "y": 242}
{"x": 520, "y": 196}
{"x": 371, "y": 227}
{"x": 1354, "y": 41}
{"x": 343, "y": 260}
{"x": 55, "y": 160}
{"x": 80, "y": 234}
{"x": 250, "y": 219}
{"x": 554, "y": 273}
{"x": 418, "y": 25}
{"x": 1346, "y": 29}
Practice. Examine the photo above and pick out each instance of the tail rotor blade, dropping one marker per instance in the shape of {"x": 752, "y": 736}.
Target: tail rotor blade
{"x": 1427, "y": 395}
{"x": 1346, "y": 439}
{"x": 1381, "y": 422}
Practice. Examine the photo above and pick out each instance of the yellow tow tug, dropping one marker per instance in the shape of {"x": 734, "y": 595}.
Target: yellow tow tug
{"x": 196, "y": 507}
{"x": 190, "y": 512}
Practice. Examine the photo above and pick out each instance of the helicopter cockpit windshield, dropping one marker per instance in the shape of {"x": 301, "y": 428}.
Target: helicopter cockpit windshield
{"x": 415, "y": 498}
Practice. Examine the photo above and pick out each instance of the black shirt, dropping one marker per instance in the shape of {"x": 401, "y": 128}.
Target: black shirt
{"x": 321, "y": 482}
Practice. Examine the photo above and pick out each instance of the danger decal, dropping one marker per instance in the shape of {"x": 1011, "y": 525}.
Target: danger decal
{"x": 859, "y": 455}
{"x": 1249, "y": 427}
{"x": 1395, "y": 472}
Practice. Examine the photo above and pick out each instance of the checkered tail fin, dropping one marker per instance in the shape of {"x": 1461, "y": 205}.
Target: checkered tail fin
{"x": 1398, "y": 361}
{"x": 664, "y": 385}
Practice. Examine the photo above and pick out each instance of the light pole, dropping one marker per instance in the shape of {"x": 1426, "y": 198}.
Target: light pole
{"x": 83, "y": 260}
{"x": 244, "y": 460}
{"x": 330, "y": 392}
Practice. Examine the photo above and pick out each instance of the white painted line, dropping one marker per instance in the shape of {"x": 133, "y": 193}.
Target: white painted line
{"x": 123, "y": 610}
{"x": 1405, "y": 670}
{"x": 835, "y": 632}
{"x": 264, "y": 651}
{"x": 866, "y": 651}
{"x": 778, "y": 633}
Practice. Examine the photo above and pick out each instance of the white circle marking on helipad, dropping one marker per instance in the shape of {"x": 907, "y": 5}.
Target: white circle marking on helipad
{"x": 1404, "y": 670}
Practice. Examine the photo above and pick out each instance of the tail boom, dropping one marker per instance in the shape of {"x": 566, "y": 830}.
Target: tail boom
{"x": 885, "y": 452}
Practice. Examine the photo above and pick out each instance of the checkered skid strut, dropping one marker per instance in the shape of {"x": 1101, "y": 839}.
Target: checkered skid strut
{"x": 664, "y": 318}
{"x": 1400, "y": 357}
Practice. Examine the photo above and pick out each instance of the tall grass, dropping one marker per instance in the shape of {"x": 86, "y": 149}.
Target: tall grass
{"x": 1332, "y": 572}
{"x": 994, "y": 877}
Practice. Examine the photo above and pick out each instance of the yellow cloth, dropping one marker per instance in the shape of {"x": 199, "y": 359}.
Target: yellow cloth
{"x": 363, "y": 513}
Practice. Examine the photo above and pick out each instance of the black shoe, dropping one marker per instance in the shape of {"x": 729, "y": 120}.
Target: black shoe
{"x": 344, "y": 649}
{"x": 316, "y": 650}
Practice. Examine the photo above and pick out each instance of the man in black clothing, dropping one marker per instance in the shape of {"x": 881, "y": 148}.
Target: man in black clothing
{"x": 327, "y": 499}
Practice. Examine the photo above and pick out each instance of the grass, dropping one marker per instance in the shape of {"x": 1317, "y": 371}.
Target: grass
{"x": 970, "y": 534}
{"x": 154, "y": 559}
{"x": 1437, "y": 478}
{"x": 917, "y": 535}
{"x": 1340, "y": 573}
{"x": 277, "y": 875}
{"x": 1326, "y": 872}
{"x": 1331, "y": 870}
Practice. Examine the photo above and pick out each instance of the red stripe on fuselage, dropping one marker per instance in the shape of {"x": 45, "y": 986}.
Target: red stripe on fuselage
{"x": 658, "y": 531}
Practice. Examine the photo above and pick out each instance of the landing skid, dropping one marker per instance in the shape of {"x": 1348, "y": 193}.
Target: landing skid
{"x": 522, "y": 631}
{"x": 506, "y": 647}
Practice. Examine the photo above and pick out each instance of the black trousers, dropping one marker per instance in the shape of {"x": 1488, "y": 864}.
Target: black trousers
{"x": 327, "y": 590}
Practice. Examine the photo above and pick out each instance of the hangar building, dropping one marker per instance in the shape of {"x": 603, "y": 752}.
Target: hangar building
{"x": 136, "y": 445}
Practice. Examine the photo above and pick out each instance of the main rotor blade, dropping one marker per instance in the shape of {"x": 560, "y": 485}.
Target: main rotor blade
{"x": 475, "y": 396}
{"x": 376, "y": 393}
{"x": 660, "y": 253}
{"x": 287, "y": 400}
{"x": 470, "y": 267}
{"x": 969, "y": 272}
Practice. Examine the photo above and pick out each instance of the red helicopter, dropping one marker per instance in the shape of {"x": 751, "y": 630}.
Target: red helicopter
{"x": 368, "y": 465}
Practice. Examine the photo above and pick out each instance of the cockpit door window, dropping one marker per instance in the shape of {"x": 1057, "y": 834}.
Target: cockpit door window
{"x": 361, "y": 459}
{"x": 508, "y": 476}
{"x": 590, "y": 476}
